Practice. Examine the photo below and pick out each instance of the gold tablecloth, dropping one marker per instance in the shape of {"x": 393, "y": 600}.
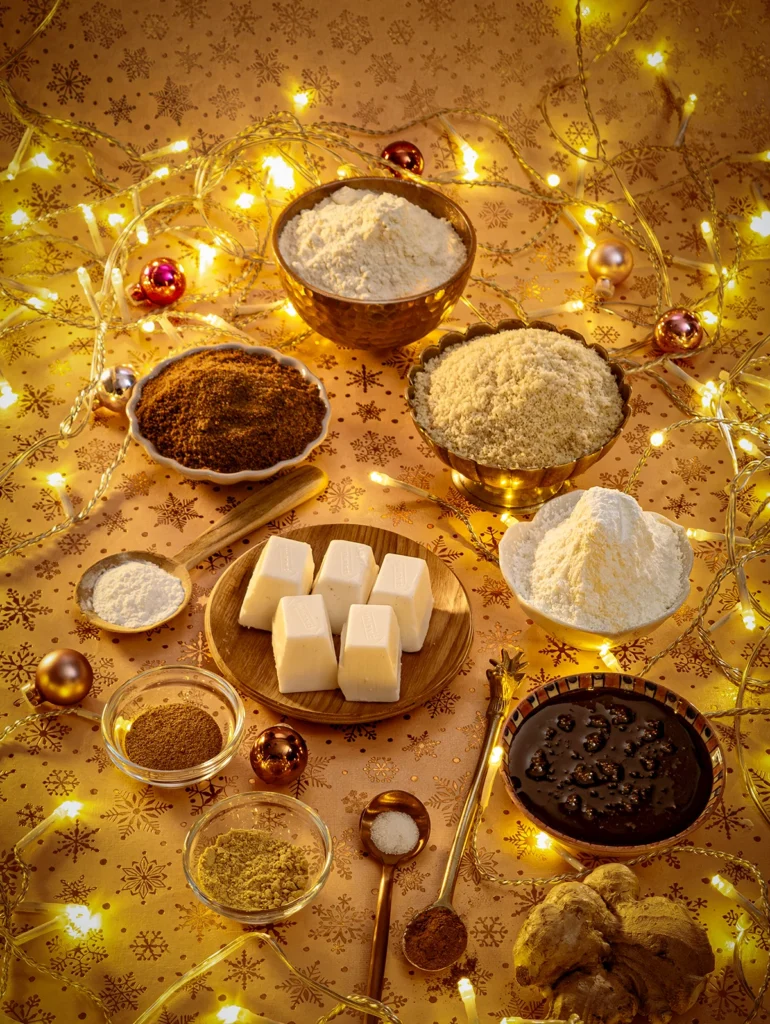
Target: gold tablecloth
{"x": 201, "y": 70}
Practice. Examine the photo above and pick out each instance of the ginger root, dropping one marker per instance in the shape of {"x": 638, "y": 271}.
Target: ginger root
{"x": 602, "y": 953}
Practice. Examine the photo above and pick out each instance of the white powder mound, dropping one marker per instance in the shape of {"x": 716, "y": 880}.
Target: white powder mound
{"x": 525, "y": 399}
{"x": 136, "y": 594}
{"x": 372, "y": 246}
{"x": 394, "y": 833}
{"x": 601, "y": 564}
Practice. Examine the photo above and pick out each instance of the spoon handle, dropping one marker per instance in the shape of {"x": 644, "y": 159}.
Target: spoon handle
{"x": 380, "y": 937}
{"x": 269, "y": 502}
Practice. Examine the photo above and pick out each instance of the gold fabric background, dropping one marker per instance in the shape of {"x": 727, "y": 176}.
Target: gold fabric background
{"x": 199, "y": 69}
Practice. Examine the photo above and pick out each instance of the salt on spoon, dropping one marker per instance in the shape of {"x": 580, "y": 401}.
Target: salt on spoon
{"x": 382, "y": 825}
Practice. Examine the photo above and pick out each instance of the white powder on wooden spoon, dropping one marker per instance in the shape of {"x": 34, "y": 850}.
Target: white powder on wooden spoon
{"x": 136, "y": 594}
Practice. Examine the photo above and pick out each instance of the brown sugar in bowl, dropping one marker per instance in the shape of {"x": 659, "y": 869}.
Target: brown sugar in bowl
{"x": 360, "y": 323}
{"x": 211, "y": 474}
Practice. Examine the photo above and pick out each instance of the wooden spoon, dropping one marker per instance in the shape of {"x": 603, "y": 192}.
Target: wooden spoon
{"x": 269, "y": 502}
{"x": 392, "y": 800}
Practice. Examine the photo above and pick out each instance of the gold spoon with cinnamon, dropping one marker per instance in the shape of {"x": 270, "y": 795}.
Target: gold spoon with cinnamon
{"x": 437, "y": 937}
{"x": 407, "y": 803}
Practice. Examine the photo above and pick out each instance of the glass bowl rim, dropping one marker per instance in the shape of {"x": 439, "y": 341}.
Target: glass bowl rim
{"x": 259, "y": 796}
{"x": 182, "y": 775}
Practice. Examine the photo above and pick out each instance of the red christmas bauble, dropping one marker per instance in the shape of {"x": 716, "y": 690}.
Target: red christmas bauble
{"x": 162, "y": 281}
{"x": 403, "y": 154}
{"x": 678, "y": 330}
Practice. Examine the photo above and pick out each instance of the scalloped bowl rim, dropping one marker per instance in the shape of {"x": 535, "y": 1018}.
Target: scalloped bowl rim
{"x": 328, "y": 188}
{"x": 210, "y": 474}
{"x": 573, "y": 497}
{"x": 448, "y": 342}
{"x": 256, "y": 916}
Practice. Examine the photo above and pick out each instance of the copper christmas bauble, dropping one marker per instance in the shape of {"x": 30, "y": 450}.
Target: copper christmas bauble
{"x": 62, "y": 677}
{"x": 115, "y": 386}
{"x": 162, "y": 281}
{"x": 404, "y": 154}
{"x": 678, "y": 330}
{"x": 279, "y": 755}
{"x": 610, "y": 260}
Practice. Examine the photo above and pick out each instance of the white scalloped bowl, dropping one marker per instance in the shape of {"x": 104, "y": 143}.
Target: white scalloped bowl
{"x": 584, "y": 639}
{"x": 210, "y": 474}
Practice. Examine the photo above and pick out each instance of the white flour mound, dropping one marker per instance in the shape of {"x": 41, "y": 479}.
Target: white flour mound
{"x": 136, "y": 594}
{"x": 371, "y": 245}
{"x": 602, "y": 564}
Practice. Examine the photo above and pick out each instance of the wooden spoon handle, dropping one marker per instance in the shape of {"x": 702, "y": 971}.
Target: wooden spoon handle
{"x": 269, "y": 502}
{"x": 380, "y": 938}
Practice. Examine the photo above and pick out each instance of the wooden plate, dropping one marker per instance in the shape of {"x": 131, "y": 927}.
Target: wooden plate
{"x": 245, "y": 656}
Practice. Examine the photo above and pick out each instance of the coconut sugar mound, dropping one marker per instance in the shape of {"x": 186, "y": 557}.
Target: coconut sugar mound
{"x": 598, "y": 563}
{"x": 373, "y": 246}
{"x": 526, "y": 399}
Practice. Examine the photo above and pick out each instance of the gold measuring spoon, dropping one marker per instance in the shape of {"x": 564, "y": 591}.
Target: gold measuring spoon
{"x": 269, "y": 502}
{"x": 439, "y": 924}
{"x": 392, "y": 800}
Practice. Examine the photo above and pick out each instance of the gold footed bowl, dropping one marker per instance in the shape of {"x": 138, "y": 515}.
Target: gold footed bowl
{"x": 356, "y": 323}
{"x": 517, "y": 490}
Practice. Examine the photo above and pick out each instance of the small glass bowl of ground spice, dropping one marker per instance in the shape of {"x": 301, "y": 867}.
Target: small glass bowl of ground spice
{"x": 229, "y": 413}
{"x": 173, "y": 726}
{"x": 258, "y": 857}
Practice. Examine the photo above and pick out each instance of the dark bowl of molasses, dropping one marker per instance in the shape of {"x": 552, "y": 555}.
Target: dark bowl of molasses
{"x": 612, "y": 764}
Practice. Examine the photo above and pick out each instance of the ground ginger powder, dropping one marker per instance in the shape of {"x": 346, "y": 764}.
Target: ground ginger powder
{"x": 247, "y": 869}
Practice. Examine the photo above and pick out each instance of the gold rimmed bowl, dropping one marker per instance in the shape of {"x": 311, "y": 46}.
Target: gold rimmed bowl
{"x": 358, "y": 323}
{"x": 611, "y": 684}
{"x": 495, "y": 488}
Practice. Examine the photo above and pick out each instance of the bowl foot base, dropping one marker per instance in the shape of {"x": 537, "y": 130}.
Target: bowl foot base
{"x": 502, "y": 499}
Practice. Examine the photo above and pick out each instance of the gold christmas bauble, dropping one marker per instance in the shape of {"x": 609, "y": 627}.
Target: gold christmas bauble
{"x": 610, "y": 260}
{"x": 678, "y": 330}
{"x": 62, "y": 677}
{"x": 279, "y": 755}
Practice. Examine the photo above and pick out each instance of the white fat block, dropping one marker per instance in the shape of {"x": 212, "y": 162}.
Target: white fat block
{"x": 404, "y": 584}
{"x": 347, "y": 573}
{"x": 302, "y": 645}
{"x": 370, "y": 654}
{"x": 284, "y": 569}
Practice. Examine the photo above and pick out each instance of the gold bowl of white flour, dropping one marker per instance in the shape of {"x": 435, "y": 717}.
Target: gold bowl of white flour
{"x": 596, "y": 571}
{"x": 373, "y": 274}
{"x": 517, "y": 410}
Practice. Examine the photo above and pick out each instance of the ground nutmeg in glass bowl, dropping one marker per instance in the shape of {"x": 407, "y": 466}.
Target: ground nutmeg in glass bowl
{"x": 173, "y": 737}
{"x": 230, "y": 411}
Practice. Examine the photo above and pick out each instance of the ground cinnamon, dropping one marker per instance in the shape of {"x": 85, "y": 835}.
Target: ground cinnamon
{"x": 172, "y": 737}
{"x": 228, "y": 410}
{"x": 435, "y": 939}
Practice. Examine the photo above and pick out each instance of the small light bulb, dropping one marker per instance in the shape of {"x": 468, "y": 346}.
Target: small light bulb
{"x": 19, "y": 217}
{"x": 8, "y": 396}
{"x": 301, "y": 100}
{"x": 746, "y": 445}
{"x": 160, "y": 172}
{"x": 707, "y": 316}
{"x": 206, "y": 254}
{"x": 553, "y": 180}
{"x": 585, "y": 10}
{"x": 279, "y": 172}
{"x": 496, "y": 757}
{"x": 289, "y": 309}
{"x": 760, "y": 224}
{"x": 542, "y": 841}
{"x": 35, "y": 302}
{"x": 464, "y": 986}
{"x": 142, "y": 235}
{"x": 657, "y": 439}
{"x": 470, "y": 156}
{"x": 245, "y": 200}
{"x": 70, "y": 808}
{"x": 41, "y": 160}
{"x": 180, "y": 147}
{"x": 81, "y": 921}
{"x": 590, "y": 246}
{"x": 229, "y": 1014}
{"x": 655, "y": 59}
{"x": 749, "y": 619}
{"x": 590, "y": 215}
{"x": 705, "y": 227}
{"x": 575, "y": 305}
{"x": 376, "y": 477}
{"x": 148, "y": 326}
{"x": 88, "y": 213}
{"x": 115, "y": 219}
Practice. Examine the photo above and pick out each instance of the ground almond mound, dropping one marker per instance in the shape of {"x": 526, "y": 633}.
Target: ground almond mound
{"x": 526, "y": 399}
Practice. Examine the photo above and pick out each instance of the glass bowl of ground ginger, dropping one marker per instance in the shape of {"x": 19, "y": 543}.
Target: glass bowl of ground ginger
{"x": 258, "y": 857}
{"x": 173, "y": 726}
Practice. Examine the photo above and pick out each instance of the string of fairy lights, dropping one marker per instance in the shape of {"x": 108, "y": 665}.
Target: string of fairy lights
{"x": 281, "y": 154}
